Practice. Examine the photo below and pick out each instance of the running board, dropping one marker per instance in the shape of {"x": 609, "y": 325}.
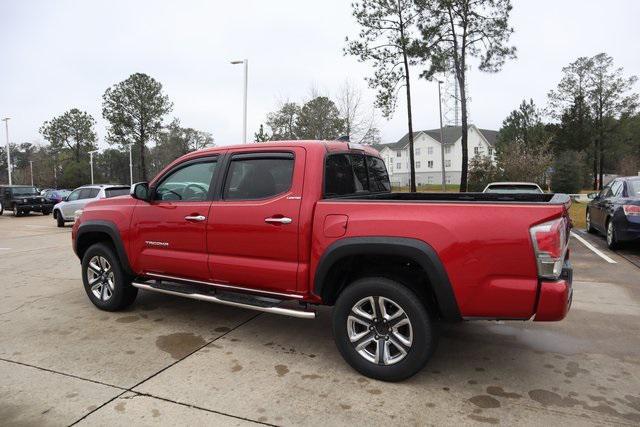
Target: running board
{"x": 234, "y": 300}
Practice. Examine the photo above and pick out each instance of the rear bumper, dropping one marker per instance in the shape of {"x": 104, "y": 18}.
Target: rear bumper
{"x": 627, "y": 228}
{"x": 555, "y": 297}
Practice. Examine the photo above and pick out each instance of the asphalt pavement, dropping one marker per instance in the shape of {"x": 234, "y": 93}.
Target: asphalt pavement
{"x": 172, "y": 361}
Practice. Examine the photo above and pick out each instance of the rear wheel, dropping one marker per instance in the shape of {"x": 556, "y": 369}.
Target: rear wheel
{"x": 1, "y": 208}
{"x": 382, "y": 329}
{"x": 612, "y": 241}
{"x": 107, "y": 285}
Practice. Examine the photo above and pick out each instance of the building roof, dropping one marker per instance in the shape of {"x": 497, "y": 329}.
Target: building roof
{"x": 450, "y": 135}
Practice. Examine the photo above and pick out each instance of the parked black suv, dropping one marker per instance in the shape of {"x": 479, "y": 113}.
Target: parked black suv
{"x": 22, "y": 199}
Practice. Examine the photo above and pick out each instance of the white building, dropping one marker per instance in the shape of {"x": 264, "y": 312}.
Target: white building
{"x": 427, "y": 146}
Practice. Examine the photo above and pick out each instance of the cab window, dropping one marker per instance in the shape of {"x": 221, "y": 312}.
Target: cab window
{"x": 258, "y": 176}
{"x": 616, "y": 189}
{"x": 188, "y": 183}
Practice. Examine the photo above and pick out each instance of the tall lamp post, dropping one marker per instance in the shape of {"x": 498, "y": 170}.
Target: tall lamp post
{"x": 91, "y": 163}
{"x": 31, "y": 168}
{"x": 130, "y": 165}
{"x": 6, "y": 128}
{"x": 244, "y": 105}
{"x": 444, "y": 175}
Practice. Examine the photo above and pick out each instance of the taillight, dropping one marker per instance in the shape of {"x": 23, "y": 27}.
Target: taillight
{"x": 550, "y": 244}
{"x": 631, "y": 210}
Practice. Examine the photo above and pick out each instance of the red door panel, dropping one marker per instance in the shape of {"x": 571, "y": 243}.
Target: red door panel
{"x": 254, "y": 243}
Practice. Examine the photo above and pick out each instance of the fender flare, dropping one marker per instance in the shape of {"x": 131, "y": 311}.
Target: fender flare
{"x": 417, "y": 250}
{"x": 110, "y": 229}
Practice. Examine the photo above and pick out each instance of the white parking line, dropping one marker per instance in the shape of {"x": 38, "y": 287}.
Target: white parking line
{"x": 593, "y": 249}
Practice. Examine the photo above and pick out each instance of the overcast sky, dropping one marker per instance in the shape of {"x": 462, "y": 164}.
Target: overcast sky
{"x": 56, "y": 55}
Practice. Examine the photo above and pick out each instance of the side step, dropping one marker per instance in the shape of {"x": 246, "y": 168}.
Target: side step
{"x": 267, "y": 305}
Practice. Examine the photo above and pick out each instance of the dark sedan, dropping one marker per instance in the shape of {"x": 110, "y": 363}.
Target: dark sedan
{"x": 615, "y": 211}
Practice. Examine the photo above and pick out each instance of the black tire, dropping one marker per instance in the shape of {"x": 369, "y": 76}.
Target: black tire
{"x": 1, "y": 208}
{"x": 59, "y": 219}
{"x": 610, "y": 235}
{"x": 424, "y": 337}
{"x": 590, "y": 228}
{"x": 46, "y": 213}
{"x": 16, "y": 211}
{"x": 118, "y": 284}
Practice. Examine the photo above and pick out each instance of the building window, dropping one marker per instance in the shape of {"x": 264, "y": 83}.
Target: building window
{"x": 491, "y": 151}
{"x": 417, "y": 165}
{"x": 430, "y": 164}
{"x": 417, "y": 151}
{"x": 447, "y": 149}
{"x": 398, "y": 165}
{"x": 448, "y": 179}
{"x": 447, "y": 163}
{"x": 399, "y": 154}
{"x": 476, "y": 150}
{"x": 429, "y": 179}
{"x": 430, "y": 151}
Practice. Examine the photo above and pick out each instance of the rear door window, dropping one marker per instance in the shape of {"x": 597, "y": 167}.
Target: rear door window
{"x": 378, "y": 177}
{"x": 116, "y": 191}
{"x": 85, "y": 193}
{"x": 258, "y": 176}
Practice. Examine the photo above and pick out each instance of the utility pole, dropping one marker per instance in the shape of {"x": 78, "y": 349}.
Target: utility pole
{"x": 444, "y": 175}
{"x": 31, "y": 167}
{"x": 244, "y": 104}
{"x": 91, "y": 162}
{"x": 6, "y": 128}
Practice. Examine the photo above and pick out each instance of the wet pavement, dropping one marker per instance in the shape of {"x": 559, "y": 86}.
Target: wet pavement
{"x": 171, "y": 361}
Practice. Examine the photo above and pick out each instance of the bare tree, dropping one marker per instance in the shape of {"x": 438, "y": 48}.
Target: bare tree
{"x": 359, "y": 119}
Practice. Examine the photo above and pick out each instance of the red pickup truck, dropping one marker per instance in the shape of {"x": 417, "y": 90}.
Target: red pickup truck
{"x": 283, "y": 227}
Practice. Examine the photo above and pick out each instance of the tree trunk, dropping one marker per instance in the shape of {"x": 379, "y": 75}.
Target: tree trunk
{"x": 595, "y": 164}
{"x": 601, "y": 156}
{"x": 412, "y": 166}
{"x": 465, "y": 135}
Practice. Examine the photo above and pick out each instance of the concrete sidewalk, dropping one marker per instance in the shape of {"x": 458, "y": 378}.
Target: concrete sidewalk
{"x": 171, "y": 361}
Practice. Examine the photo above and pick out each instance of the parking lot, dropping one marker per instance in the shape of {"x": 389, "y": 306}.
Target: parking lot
{"x": 175, "y": 361}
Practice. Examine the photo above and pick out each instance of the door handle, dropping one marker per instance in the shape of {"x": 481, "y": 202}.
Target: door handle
{"x": 195, "y": 217}
{"x": 283, "y": 220}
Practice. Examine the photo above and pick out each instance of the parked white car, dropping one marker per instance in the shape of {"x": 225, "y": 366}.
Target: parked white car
{"x": 513, "y": 188}
{"x": 65, "y": 210}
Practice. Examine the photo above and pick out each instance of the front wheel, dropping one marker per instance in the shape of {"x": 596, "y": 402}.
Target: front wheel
{"x": 612, "y": 241}
{"x": 1, "y": 208}
{"x": 105, "y": 282}
{"x": 16, "y": 211}
{"x": 59, "y": 219}
{"x": 383, "y": 329}
{"x": 589, "y": 226}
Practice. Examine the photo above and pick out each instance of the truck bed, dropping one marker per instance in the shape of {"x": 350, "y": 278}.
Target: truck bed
{"x": 548, "y": 198}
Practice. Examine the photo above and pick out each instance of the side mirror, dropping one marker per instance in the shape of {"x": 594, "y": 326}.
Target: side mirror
{"x": 140, "y": 191}
{"x": 65, "y": 199}
{"x": 592, "y": 196}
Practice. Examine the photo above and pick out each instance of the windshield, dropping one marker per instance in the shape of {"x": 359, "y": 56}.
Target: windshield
{"x": 506, "y": 189}
{"x": 634, "y": 188}
{"x": 25, "y": 191}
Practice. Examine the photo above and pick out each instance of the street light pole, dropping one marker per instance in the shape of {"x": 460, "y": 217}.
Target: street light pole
{"x": 31, "y": 167}
{"x": 244, "y": 104}
{"x": 6, "y": 128}
{"x": 91, "y": 163}
{"x": 444, "y": 175}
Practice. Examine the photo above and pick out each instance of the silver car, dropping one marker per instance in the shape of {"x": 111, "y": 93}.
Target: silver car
{"x": 65, "y": 210}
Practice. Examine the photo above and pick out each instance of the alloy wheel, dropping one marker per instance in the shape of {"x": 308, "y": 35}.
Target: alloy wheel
{"x": 588, "y": 221}
{"x": 380, "y": 330}
{"x": 610, "y": 233}
{"x": 101, "y": 278}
